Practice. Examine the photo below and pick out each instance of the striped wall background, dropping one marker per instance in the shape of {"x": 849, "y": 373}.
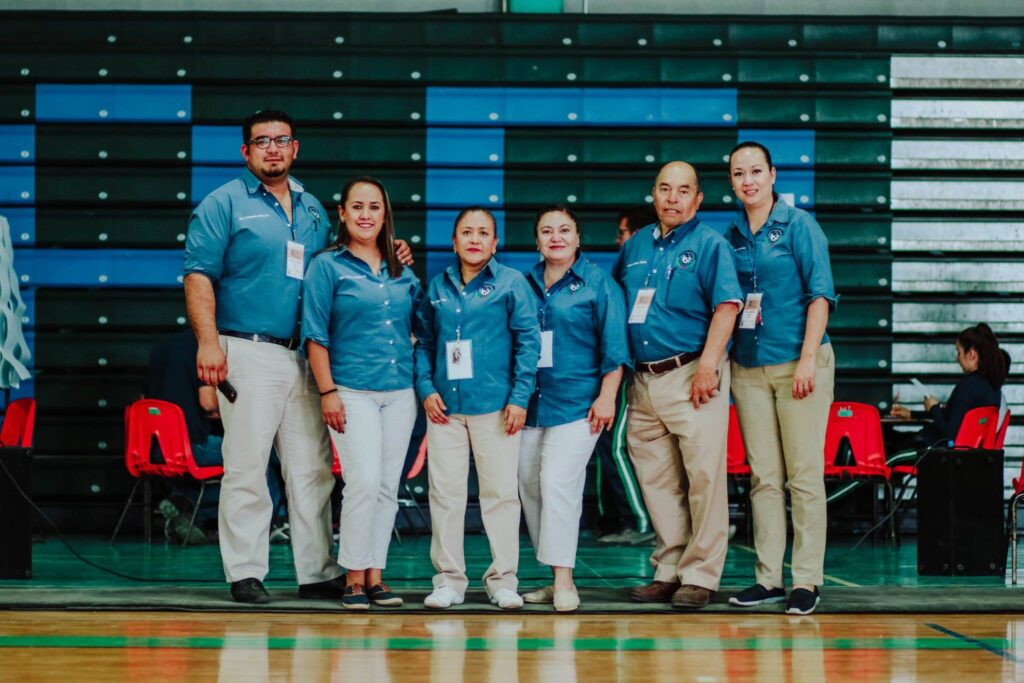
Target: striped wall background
{"x": 903, "y": 136}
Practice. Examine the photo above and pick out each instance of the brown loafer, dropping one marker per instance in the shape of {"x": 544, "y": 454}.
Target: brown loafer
{"x": 656, "y": 591}
{"x": 691, "y": 597}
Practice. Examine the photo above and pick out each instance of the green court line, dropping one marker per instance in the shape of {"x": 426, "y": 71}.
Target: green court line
{"x": 829, "y": 577}
{"x": 500, "y": 643}
{"x": 982, "y": 644}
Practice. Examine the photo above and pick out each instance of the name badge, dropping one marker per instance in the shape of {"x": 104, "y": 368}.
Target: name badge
{"x": 547, "y": 345}
{"x": 751, "y": 314}
{"x": 641, "y": 305}
{"x": 460, "y": 359}
{"x": 294, "y": 266}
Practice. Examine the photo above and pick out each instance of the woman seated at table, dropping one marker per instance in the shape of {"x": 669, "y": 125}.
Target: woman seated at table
{"x": 979, "y": 355}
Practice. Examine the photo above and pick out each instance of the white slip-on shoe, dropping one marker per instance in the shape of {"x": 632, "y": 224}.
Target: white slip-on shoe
{"x": 541, "y": 596}
{"x": 506, "y": 598}
{"x": 443, "y": 597}
{"x": 567, "y": 601}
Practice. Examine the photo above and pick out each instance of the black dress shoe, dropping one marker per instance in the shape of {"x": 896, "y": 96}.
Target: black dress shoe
{"x": 250, "y": 591}
{"x": 332, "y": 589}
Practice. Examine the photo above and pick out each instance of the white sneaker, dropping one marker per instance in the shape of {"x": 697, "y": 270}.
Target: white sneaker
{"x": 541, "y": 596}
{"x": 566, "y": 601}
{"x": 443, "y": 597}
{"x": 506, "y": 598}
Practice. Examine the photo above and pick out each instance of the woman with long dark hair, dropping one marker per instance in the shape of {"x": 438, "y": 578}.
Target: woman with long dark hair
{"x": 357, "y": 312}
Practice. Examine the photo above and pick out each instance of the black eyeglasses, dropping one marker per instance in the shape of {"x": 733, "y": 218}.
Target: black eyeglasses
{"x": 263, "y": 142}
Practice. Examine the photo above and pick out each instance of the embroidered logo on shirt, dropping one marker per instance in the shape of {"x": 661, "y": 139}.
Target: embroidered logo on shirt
{"x": 485, "y": 290}
{"x": 575, "y": 286}
{"x": 438, "y": 302}
{"x": 636, "y": 263}
{"x": 351, "y": 277}
{"x": 686, "y": 258}
{"x": 255, "y": 215}
{"x": 314, "y": 213}
{"x": 775, "y": 235}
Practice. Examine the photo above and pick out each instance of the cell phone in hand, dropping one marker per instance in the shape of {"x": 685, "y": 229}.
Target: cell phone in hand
{"x": 229, "y": 391}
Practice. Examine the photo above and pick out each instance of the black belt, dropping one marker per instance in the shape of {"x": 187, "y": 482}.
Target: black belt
{"x": 251, "y": 336}
{"x": 660, "y": 366}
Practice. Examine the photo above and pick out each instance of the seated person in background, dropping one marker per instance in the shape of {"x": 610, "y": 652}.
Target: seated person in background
{"x": 1004, "y": 404}
{"x": 171, "y": 377}
{"x": 979, "y": 355}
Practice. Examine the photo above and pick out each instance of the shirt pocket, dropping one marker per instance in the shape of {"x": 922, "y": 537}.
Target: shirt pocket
{"x": 683, "y": 291}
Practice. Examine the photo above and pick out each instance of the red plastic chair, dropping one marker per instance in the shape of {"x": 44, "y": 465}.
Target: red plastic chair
{"x": 980, "y": 429}
{"x": 1001, "y": 433}
{"x": 335, "y": 460}
{"x": 150, "y": 419}
{"x": 861, "y": 425}
{"x": 735, "y": 452}
{"x": 19, "y": 423}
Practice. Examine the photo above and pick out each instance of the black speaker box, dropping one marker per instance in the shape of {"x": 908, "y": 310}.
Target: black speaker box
{"x": 961, "y": 529}
{"x": 15, "y": 514}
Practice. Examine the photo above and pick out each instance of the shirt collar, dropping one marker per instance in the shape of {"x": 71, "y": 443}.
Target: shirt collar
{"x": 253, "y": 184}
{"x": 344, "y": 252}
{"x": 781, "y": 213}
{"x": 681, "y": 229}
{"x": 455, "y": 275}
{"x": 580, "y": 270}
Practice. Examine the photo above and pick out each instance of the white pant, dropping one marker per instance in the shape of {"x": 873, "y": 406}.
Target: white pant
{"x": 552, "y": 472}
{"x": 277, "y": 406}
{"x": 378, "y": 426}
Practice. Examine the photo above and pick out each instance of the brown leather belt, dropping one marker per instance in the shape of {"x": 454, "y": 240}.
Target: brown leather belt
{"x": 660, "y": 366}
{"x": 289, "y": 344}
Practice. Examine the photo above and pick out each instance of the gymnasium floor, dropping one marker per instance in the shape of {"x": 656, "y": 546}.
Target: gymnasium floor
{"x": 153, "y": 631}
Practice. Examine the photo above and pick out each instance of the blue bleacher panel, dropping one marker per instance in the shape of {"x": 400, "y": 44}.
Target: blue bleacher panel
{"x": 206, "y": 179}
{"x": 17, "y": 184}
{"x": 216, "y": 145}
{"x": 582, "y": 106}
{"x": 789, "y": 148}
{"x": 441, "y": 222}
{"x": 100, "y": 267}
{"x": 798, "y": 183}
{"x": 23, "y": 224}
{"x": 123, "y": 103}
{"x": 17, "y": 144}
{"x": 456, "y": 188}
{"x": 465, "y": 146}
{"x": 26, "y": 390}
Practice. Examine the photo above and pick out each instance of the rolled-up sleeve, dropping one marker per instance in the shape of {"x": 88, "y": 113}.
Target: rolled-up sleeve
{"x": 522, "y": 322}
{"x": 317, "y": 301}
{"x": 810, "y": 251}
{"x": 718, "y": 275}
{"x": 209, "y": 231}
{"x": 611, "y": 323}
{"x": 426, "y": 346}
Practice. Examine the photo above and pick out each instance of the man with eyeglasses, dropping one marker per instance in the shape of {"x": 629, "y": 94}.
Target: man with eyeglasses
{"x": 248, "y": 246}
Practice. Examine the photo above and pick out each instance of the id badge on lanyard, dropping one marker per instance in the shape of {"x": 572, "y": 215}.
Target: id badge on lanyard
{"x": 641, "y": 305}
{"x": 547, "y": 349}
{"x": 459, "y": 354}
{"x": 751, "y": 315}
{"x": 294, "y": 265}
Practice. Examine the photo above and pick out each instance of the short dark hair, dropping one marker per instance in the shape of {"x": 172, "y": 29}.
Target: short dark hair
{"x": 753, "y": 145}
{"x": 638, "y": 217}
{"x": 264, "y": 116}
{"x": 991, "y": 363}
{"x": 556, "y": 208}
{"x": 472, "y": 209}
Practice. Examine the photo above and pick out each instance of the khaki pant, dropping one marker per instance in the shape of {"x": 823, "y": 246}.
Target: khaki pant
{"x": 277, "y": 406}
{"x": 785, "y": 442}
{"x": 679, "y": 455}
{"x": 496, "y": 455}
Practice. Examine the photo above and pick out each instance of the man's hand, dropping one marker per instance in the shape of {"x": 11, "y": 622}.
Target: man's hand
{"x": 403, "y": 252}
{"x": 435, "y": 409}
{"x": 930, "y": 402}
{"x": 515, "y": 418}
{"x": 211, "y": 364}
{"x": 601, "y": 415}
{"x": 803, "y": 378}
{"x": 704, "y": 386}
{"x": 333, "y": 411}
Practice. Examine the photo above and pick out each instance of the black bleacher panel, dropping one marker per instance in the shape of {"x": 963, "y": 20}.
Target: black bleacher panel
{"x": 122, "y": 309}
{"x": 913, "y": 35}
{"x": 862, "y": 272}
{"x": 111, "y": 227}
{"x": 104, "y": 145}
{"x": 81, "y": 478}
{"x": 860, "y": 149}
{"x": 830, "y": 35}
{"x": 74, "y": 435}
{"x": 846, "y": 231}
{"x": 85, "y": 185}
{"x": 860, "y": 313}
{"x": 615, "y": 147}
{"x": 352, "y": 145}
{"x": 616, "y": 189}
{"x": 796, "y": 110}
{"x": 875, "y": 391}
{"x": 82, "y": 393}
{"x": 76, "y": 350}
{"x": 846, "y": 189}
{"x": 230, "y": 103}
{"x": 862, "y": 354}
{"x": 17, "y": 103}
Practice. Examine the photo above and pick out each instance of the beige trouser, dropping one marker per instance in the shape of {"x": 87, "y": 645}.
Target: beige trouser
{"x": 277, "y": 406}
{"x": 785, "y": 442}
{"x": 679, "y": 455}
{"x": 496, "y": 455}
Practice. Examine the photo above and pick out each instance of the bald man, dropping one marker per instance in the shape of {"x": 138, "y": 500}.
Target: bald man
{"x": 683, "y": 296}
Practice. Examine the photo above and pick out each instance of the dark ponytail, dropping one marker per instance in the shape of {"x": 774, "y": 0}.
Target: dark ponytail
{"x": 991, "y": 359}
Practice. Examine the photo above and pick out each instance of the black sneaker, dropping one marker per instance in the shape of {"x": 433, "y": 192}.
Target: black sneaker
{"x": 332, "y": 589}
{"x": 354, "y": 598}
{"x": 758, "y": 595}
{"x": 381, "y": 595}
{"x": 802, "y": 601}
{"x": 250, "y": 591}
